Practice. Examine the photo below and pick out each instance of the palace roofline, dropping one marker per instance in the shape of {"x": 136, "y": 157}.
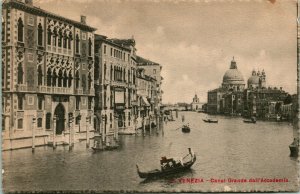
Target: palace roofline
{"x": 38, "y": 11}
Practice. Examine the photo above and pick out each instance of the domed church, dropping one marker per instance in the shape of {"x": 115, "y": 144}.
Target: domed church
{"x": 257, "y": 80}
{"x": 233, "y": 78}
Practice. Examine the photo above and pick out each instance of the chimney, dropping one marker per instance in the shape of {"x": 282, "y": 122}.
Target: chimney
{"x": 83, "y": 19}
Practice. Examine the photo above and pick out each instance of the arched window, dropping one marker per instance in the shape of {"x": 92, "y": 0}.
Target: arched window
{"x": 60, "y": 77}
{"x": 77, "y": 44}
{"x": 20, "y": 73}
{"x": 90, "y": 47}
{"x": 48, "y": 120}
{"x": 70, "y": 79}
{"x": 77, "y": 79}
{"x": 89, "y": 81}
{"x": 65, "y": 81}
{"x": 40, "y": 35}
{"x": 20, "y": 30}
{"x": 39, "y": 122}
{"x": 40, "y": 75}
{"x": 59, "y": 38}
{"x": 70, "y": 40}
{"x": 54, "y": 36}
{"x": 54, "y": 78}
{"x": 49, "y": 33}
{"x": 49, "y": 76}
{"x": 65, "y": 40}
{"x": 83, "y": 81}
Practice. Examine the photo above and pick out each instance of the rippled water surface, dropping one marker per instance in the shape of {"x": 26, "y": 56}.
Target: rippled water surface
{"x": 229, "y": 149}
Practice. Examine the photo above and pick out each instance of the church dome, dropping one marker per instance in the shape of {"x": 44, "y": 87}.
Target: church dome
{"x": 233, "y": 75}
{"x": 254, "y": 79}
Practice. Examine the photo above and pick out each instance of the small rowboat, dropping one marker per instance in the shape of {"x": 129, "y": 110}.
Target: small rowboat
{"x": 167, "y": 170}
{"x": 210, "y": 121}
{"x": 186, "y": 129}
{"x": 106, "y": 148}
{"x": 249, "y": 121}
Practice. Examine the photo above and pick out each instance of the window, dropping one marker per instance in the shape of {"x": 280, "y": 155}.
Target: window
{"x": 40, "y": 75}
{"x": 77, "y": 120}
{"x": 48, "y": 120}
{"x": 20, "y": 73}
{"x": 40, "y": 35}
{"x": 20, "y": 30}
{"x": 70, "y": 40}
{"x": 49, "y": 76}
{"x": 60, "y": 78}
{"x": 65, "y": 79}
{"x": 20, "y": 123}
{"x": 90, "y": 47}
{"x": 70, "y": 79}
{"x": 104, "y": 49}
{"x": 77, "y": 79}
{"x": 83, "y": 81}
{"x": 54, "y": 78}
{"x": 110, "y": 118}
{"x": 49, "y": 36}
{"x": 39, "y": 123}
{"x": 20, "y": 102}
{"x": 60, "y": 38}
{"x": 77, "y": 44}
{"x": 90, "y": 103}
{"x": 40, "y": 102}
{"x": 77, "y": 103}
{"x": 65, "y": 40}
{"x": 89, "y": 81}
{"x": 111, "y": 52}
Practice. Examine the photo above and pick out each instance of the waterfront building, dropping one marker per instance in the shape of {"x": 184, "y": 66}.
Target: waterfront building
{"x": 47, "y": 77}
{"x": 153, "y": 70}
{"x": 115, "y": 84}
{"x": 257, "y": 80}
{"x": 146, "y": 98}
{"x": 264, "y": 103}
{"x": 196, "y": 105}
{"x": 227, "y": 98}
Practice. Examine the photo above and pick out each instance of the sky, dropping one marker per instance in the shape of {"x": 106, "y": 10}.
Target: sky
{"x": 195, "y": 41}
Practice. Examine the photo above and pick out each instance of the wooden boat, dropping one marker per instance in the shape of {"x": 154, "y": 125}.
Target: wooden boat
{"x": 210, "y": 120}
{"x": 167, "y": 169}
{"x": 113, "y": 147}
{"x": 185, "y": 129}
{"x": 249, "y": 121}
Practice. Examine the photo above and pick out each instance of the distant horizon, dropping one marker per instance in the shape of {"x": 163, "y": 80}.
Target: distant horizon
{"x": 195, "y": 41}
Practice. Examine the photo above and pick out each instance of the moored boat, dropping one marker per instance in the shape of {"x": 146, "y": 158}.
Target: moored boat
{"x": 169, "y": 166}
{"x": 210, "y": 120}
{"x": 252, "y": 120}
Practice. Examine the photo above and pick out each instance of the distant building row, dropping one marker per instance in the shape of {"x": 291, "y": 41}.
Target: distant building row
{"x": 256, "y": 100}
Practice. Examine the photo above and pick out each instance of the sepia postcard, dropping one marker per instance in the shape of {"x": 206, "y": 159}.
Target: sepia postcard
{"x": 146, "y": 96}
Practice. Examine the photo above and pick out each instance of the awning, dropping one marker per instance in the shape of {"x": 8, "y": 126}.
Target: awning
{"x": 145, "y": 101}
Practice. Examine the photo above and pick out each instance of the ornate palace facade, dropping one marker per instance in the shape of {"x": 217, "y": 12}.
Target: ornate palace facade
{"x": 48, "y": 76}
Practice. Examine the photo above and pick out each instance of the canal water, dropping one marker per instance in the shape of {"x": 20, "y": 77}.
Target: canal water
{"x": 229, "y": 149}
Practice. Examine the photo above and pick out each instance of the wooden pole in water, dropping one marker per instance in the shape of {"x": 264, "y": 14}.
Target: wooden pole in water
{"x": 70, "y": 132}
{"x": 87, "y": 132}
{"x": 33, "y": 133}
{"x": 54, "y": 132}
{"x": 143, "y": 126}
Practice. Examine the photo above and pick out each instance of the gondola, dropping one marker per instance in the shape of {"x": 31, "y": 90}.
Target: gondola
{"x": 185, "y": 129}
{"x": 113, "y": 147}
{"x": 210, "y": 121}
{"x": 249, "y": 121}
{"x": 168, "y": 169}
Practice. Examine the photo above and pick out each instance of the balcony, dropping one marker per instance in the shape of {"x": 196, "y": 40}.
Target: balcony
{"x": 78, "y": 91}
{"x": 119, "y": 83}
{"x": 54, "y": 90}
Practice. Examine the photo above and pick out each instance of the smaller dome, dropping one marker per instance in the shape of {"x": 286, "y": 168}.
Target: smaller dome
{"x": 253, "y": 80}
